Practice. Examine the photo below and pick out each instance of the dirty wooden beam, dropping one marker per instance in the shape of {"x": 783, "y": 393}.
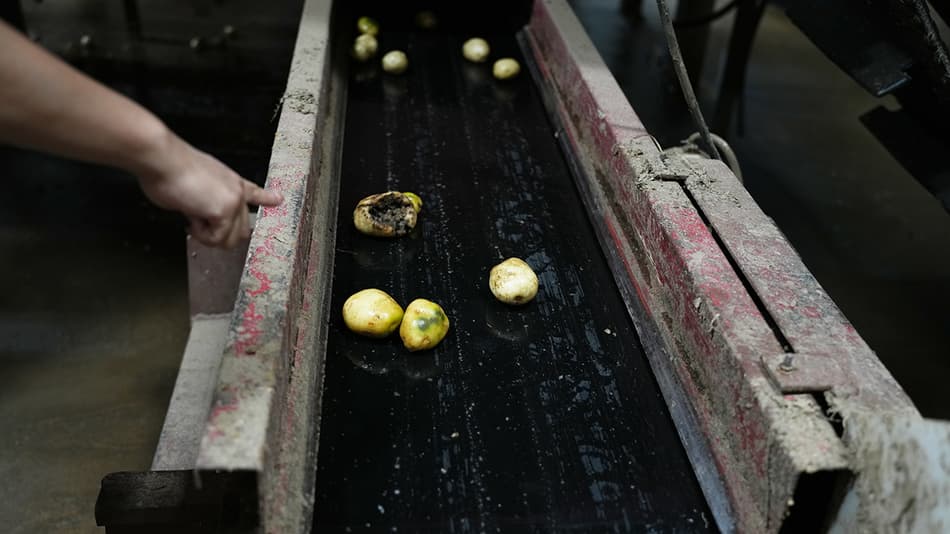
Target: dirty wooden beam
{"x": 191, "y": 399}
{"x": 705, "y": 329}
{"x": 905, "y": 485}
{"x": 264, "y": 415}
{"x": 819, "y": 337}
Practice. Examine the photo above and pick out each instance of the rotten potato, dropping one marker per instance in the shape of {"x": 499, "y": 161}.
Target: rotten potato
{"x": 513, "y": 281}
{"x": 395, "y": 62}
{"x": 389, "y": 214}
{"x": 423, "y": 325}
{"x": 506, "y": 68}
{"x": 367, "y": 25}
{"x": 416, "y": 201}
{"x": 365, "y": 47}
{"x": 476, "y": 50}
{"x": 372, "y": 313}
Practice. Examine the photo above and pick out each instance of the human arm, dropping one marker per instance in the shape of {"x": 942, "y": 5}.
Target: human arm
{"x": 47, "y": 105}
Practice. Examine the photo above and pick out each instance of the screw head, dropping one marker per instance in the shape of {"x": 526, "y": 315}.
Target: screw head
{"x": 787, "y": 365}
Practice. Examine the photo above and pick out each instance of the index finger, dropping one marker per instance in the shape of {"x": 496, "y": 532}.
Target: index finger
{"x": 258, "y": 196}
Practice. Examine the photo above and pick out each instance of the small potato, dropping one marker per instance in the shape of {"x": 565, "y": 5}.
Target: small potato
{"x": 365, "y": 47}
{"x": 389, "y": 214}
{"x": 367, "y": 25}
{"x": 395, "y": 62}
{"x": 513, "y": 282}
{"x": 506, "y": 68}
{"x": 372, "y": 313}
{"x": 476, "y": 50}
{"x": 423, "y": 326}
{"x": 426, "y": 20}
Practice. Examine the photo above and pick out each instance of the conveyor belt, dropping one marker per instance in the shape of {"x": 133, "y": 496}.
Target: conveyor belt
{"x": 540, "y": 418}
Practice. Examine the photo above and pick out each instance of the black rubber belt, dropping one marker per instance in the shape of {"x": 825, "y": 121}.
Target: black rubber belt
{"x": 539, "y": 418}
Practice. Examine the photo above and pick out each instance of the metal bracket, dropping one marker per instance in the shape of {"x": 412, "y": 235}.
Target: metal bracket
{"x": 805, "y": 373}
{"x": 673, "y": 165}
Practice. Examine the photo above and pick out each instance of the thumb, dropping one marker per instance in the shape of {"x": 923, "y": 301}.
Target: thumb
{"x": 211, "y": 234}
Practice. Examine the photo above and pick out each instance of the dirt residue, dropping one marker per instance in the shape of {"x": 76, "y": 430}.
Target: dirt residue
{"x": 903, "y": 483}
{"x": 301, "y": 101}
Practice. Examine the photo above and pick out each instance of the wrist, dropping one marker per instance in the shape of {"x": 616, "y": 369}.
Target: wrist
{"x": 155, "y": 151}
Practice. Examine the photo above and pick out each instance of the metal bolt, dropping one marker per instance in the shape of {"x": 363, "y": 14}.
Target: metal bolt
{"x": 195, "y": 43}
{"x": 85, "y": 41}
{"x": 228, "y": 30}
{"x": 787, "y": 364}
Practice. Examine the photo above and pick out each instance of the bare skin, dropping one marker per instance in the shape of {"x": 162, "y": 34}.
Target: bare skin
{"x": 47, "y": 105}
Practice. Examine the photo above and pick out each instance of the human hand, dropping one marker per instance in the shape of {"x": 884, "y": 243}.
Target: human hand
{"x": 212, "y": 196}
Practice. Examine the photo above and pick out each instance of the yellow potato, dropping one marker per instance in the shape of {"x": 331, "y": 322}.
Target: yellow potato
{"x": 365, "y": 47}
{"x": 424, "y": 325}
{"x": 506, "y": 68}
{"x": 395, "y": 62}
{"x": 513, "y": 282}
{"x": 476, "y": 50}
{"x": 372, "y": 313}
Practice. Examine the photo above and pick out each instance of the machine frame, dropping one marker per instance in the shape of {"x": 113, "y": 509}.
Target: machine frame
{"x": 766, "y": 380}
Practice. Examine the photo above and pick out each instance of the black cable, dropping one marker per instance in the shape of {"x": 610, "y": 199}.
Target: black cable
{"x": 706, "y": 19}
{"x": 683, "y": 77}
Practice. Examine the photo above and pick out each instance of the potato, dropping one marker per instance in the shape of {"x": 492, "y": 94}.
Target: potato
{"x": 389, "y": 214}
{"x": 424, "y": 325}
{"x": 476, "y": 50}
{"x": 506, "y": 68}
{"x": 367, "y": 25}
{"x": 395, "y": 62}
{"x": 372, "y": 313}
{"x": 426, "y": 20}
{"x": 513, "y": 282}
{"x": 416, "y": 201}
{"x": 365, "y": 47}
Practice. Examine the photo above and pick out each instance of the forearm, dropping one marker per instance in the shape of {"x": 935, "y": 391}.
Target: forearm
{"x": 47, "y": 105}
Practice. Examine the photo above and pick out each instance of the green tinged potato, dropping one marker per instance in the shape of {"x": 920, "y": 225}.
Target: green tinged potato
{"x": 423, "y": 325}
{"x": 367, "y": 25}
{"x": 372, "y": 313}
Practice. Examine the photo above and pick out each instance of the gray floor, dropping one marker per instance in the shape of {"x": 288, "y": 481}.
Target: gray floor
{"x": 93, "y": 311}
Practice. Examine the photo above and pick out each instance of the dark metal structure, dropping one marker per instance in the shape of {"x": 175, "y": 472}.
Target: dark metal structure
{"x": 679, "y": 370}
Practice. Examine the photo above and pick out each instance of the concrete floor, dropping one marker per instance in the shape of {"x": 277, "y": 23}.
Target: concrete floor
{"x": 93, "y": 304}
{"x": 93, "y": 320}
